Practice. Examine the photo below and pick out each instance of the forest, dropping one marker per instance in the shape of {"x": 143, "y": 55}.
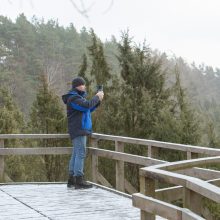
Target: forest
{"x": 147, "y": 94}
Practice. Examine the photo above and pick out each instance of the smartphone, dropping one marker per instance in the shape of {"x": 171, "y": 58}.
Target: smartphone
{"x": 99, "y": 88}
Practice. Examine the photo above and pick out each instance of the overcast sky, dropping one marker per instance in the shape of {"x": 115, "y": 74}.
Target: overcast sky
{"x": 187, "y": 28}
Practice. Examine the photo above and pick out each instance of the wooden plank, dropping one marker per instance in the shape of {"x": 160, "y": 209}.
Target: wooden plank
{"x": 156, "y": 207}
{"x": 36, "y": 151}
{"x": 215, "y": 182}
{"x": 170, "y": 194}
{"x": 102, "y": 180}
{"x": 120, "y": 176}
{"x": 34, "y": 136}
{"x": 196, "y": 202}
{"x": 150, "y": 187}
{"x": 184, "y": 164}
{"x": 163, "y": 209}
{"x": 160, "y": 144}
{"x": 141, "y": 160}
{"x": 94, "y": 144}
{"x": 129, "y": 188}
{"x": 152, "y": 151}
{"x": 147, "y": 187}
{"x": 164, "y": 176}
{"x": 186, "y": 198}
{"x": 189, "y": 215}
{"x": 2, "y": 163}
{"x": 201, "y": 173}
{"x": 188, "y": 155}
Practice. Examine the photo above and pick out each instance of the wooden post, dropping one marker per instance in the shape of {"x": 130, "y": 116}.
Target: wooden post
{"x": 120, "y": 179}
{"x": 94, "y": 143}
{"x": 149, "y": 148}
{"x": 192, "y": 201}
{"x": 186, "y": 198}
{"x": 2, "y": 163}
{"x": 147, "y": 187}
{"x": 191, "y": 155}
{"x": 152, "y": 151}
{"x": 188, "y": 155}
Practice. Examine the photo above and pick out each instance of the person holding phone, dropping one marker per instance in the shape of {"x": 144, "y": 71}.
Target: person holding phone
{"x": 79, "y": 111}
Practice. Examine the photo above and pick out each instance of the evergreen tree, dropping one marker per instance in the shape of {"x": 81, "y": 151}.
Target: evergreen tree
{"x": 100, "y": 72}
{"x": 190, "y": 130}
{"x": 177, "y": 123}
{"x": 105, "y": 119}
{"x": 11, "y": 122}
{"x": 83, "y": 67}
{"x": 47, "y": 117}
{"x": 100, "y": 69}
{"x": 212, "y": 137}
{"x": 144, "y": 94}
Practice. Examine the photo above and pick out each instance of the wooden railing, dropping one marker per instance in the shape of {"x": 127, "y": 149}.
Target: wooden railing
{"x": 193, "y": 190}
{"x": 152, "y": 201}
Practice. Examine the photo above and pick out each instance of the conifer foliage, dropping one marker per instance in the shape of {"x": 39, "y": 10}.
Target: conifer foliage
{"x": 47, "y": 117}
{"x": 11, "y": 122}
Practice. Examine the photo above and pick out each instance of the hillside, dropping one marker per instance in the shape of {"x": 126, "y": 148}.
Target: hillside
{"x": 29, "y": 49}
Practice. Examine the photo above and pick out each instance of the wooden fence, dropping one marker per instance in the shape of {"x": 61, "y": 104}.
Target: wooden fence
{"x": 192, "y": 183}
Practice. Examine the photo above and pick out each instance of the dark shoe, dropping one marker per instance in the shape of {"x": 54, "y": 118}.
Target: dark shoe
{"x": 81, "y": 183}
{"x": 71, "y": 181}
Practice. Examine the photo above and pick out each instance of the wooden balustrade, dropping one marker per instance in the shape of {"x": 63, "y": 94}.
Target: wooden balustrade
{"x": 193, "y": 191}
{"x": 184, "y": 174}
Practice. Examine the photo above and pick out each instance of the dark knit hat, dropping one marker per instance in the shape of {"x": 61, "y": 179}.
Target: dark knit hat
{"x": 78, "y": 81}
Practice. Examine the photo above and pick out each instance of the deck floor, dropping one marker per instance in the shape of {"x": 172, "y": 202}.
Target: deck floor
{"x": 55, "y": 201}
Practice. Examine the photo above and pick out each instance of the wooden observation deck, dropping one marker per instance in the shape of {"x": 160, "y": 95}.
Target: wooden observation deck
{"x": 54, "y": 201}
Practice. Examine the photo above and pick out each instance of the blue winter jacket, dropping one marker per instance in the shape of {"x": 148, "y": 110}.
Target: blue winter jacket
{"x": 79, "y": 112}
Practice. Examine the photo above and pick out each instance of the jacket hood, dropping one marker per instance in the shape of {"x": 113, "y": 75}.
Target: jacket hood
{"x": 73, "y": 92}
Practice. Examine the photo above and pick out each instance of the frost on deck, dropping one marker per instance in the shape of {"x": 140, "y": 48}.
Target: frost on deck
{"x": 55, "y": 201}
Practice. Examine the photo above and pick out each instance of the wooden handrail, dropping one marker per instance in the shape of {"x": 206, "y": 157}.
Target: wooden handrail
{"x": 138, "y": 141}
{"x": 36, "y": 151}
{"x": 184, "y": 164}
{"x": 33, "y": 136}
{"x": 163, "y": 209}
{"x": 194, "y": 188}
{"x": 130, "y": 158}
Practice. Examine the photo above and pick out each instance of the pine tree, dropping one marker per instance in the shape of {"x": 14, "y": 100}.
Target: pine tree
{"x": 100, "y": 72}
{"x": 190, "y": 130}
{"x": 83, "y": 68}
{"x": 47, "y": 117}
{"x": 102, "y": 123}
{"x": 100, "y": 69}
{"x": 11, "y": 122}
{"x": 83, "y": 73}
{"x": 143, "y": 92}
{"x": 143, "y": 95}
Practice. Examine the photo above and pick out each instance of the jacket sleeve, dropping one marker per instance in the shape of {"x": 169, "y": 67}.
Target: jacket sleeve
{"x": 83, "y": 105}
{"x": 95, "y": 107}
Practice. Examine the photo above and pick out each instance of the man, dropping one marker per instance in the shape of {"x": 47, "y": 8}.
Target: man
{"x": 79, "y": 126}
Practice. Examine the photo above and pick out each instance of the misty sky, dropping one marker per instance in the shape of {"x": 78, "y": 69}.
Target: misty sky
{"x": 187, "y": 28}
